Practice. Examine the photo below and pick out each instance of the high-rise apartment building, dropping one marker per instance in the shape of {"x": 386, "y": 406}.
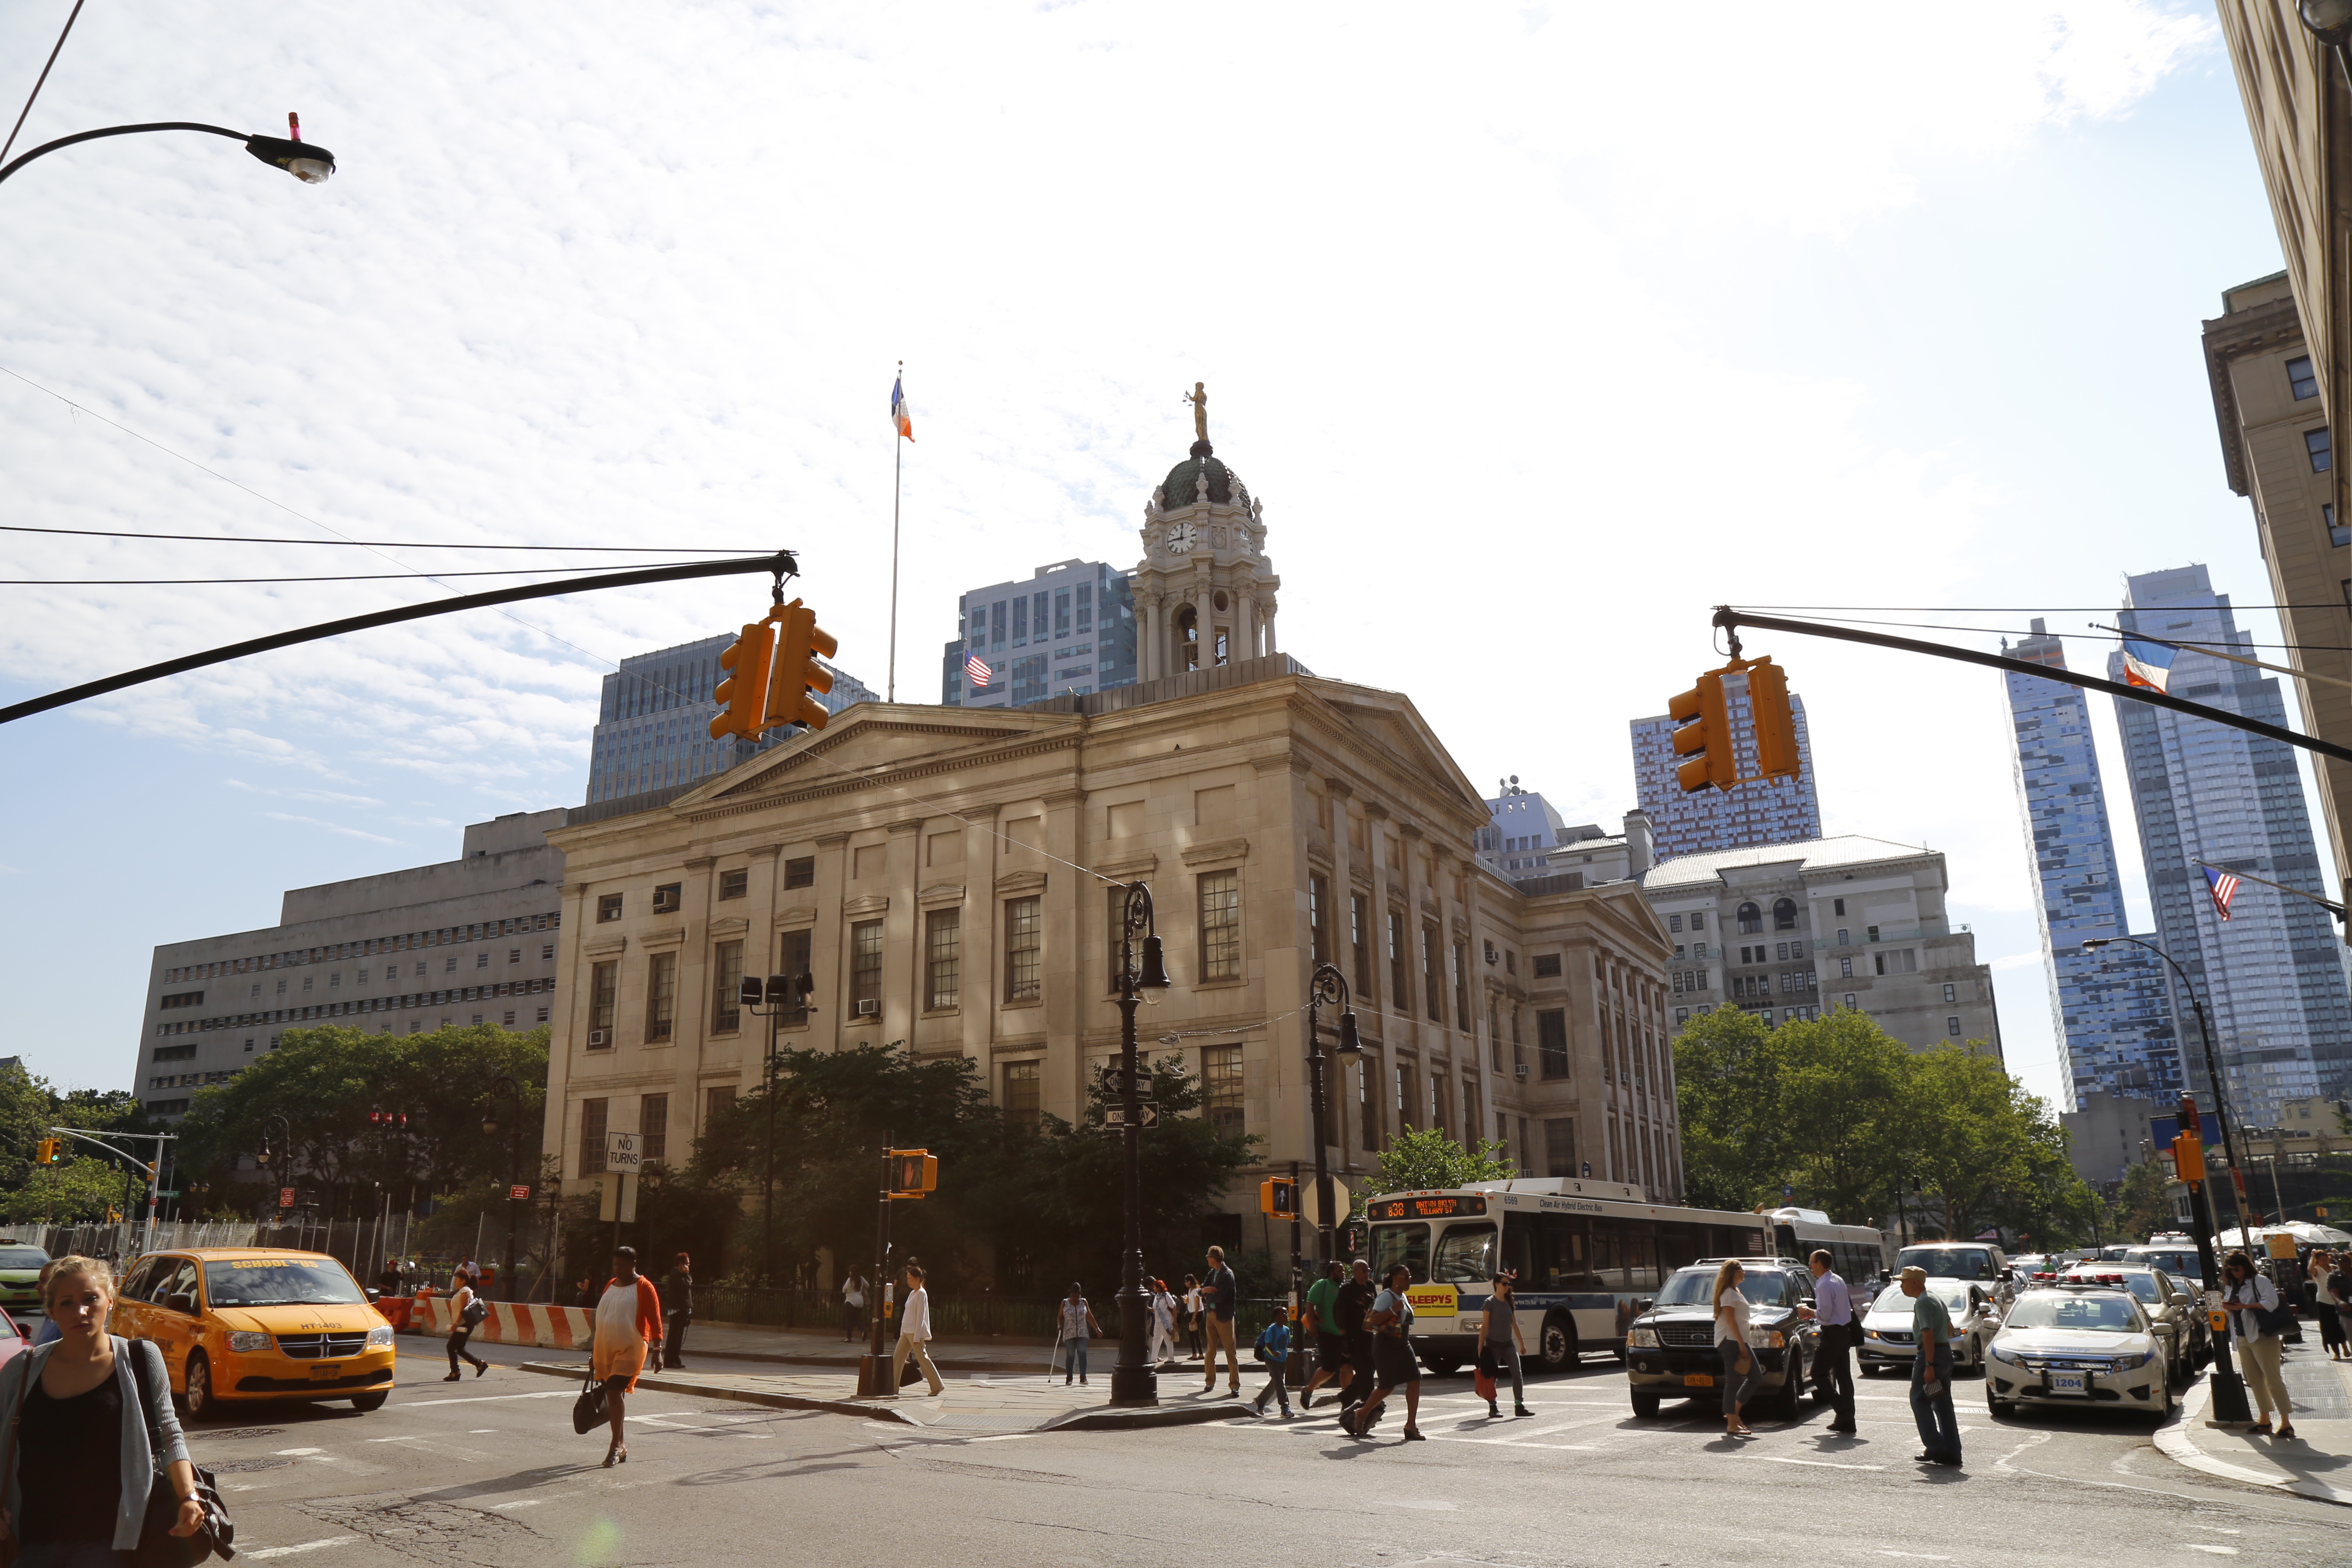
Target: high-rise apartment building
{"x": 653, "y": 732}
{"x": 1523, "y": 829}
{"x": 1724, "y": 819}
{"x": 2272, "y": 976}
{"x": 2109, "y": 1010}
{"x": 1067, "y": 630}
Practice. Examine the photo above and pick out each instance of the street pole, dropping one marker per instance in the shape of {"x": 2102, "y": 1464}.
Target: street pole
{"x": 1134, "y": 1382}
{"x": 2228, "y": 1390}
{"x": 876, "y": 1378}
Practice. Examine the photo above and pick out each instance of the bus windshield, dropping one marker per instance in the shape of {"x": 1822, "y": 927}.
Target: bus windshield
{"x": 1466, "y": 1256}
{"x": 1395, "y": 1244}
{"x": 1948, "y": 1262}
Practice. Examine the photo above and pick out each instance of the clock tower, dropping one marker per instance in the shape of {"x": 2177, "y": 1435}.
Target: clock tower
{"x": 1204, "y": 594}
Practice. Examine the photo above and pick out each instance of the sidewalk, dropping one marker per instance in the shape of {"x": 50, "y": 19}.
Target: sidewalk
{"x": 816, "y": 1347}
{"x": 2317, "y": 1465}
{"x": 1004, "y": 1400}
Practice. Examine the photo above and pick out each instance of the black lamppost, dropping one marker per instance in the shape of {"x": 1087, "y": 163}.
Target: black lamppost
{"x": 1326, "y": 986}
{"x": 309, "y": 163}
{"x": 503, "y": 1085}
{"x": 1134, "y": 1380}
{"x": 780, "y": 995}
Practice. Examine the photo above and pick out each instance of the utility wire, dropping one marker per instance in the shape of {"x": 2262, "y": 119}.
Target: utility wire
{"x": 354, "y": 577}
{"x": 385, "y": 543}
{"x": 2097, "y": 632}
{"x": 39, "y": 81}
{"x": 2005, "y": 609}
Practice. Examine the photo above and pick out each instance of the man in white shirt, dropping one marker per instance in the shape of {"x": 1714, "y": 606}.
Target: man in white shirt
{"x": 1833, "y": 1307}
{"x": 915, "y": 1333}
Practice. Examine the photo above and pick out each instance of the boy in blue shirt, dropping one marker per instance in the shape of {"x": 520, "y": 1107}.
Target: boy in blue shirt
{"x": 1273, "y": 1348}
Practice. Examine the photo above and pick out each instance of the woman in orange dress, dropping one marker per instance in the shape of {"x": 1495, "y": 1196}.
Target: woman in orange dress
{"x": 629, "y": 1328}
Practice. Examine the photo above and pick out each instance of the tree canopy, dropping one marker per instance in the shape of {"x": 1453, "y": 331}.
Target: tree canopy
{"x": 1419, "y": 1159}
{"x": 81, "y": 1189}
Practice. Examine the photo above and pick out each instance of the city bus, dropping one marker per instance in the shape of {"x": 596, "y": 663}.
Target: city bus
{"x": 1859, "y": 1253}
{"x": 1589, "y": 1256}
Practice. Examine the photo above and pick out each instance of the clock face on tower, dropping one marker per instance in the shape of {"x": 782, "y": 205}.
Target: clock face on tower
{"x": 1180, "y": 539}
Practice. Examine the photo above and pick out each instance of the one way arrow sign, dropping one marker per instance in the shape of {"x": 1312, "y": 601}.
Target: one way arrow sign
{"x": 1147, "y": 1114}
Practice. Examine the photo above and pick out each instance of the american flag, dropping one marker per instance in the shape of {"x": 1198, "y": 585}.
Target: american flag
{"x": 976, "y": 670}
{"x": 2223, "y": 887}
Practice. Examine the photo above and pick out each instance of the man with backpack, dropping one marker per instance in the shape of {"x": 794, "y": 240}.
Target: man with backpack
{"x": 1273, "y": 1348}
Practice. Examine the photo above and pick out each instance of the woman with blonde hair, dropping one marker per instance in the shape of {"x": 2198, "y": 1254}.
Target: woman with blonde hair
{"x": 1739, "y": 1369}
{"x": 86, "y": 1426}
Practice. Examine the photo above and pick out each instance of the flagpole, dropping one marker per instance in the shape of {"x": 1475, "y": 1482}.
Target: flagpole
{"x": 898, "y": 468}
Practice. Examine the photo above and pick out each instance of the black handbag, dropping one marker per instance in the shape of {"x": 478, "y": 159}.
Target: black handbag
{"x": 589, "y": 1411}
{"x": 158, "y": 1547}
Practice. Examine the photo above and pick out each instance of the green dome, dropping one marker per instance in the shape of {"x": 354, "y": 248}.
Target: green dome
{"x": 1183, "y": 480}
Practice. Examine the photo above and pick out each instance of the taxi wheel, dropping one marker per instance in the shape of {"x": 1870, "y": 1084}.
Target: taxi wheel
{"x": 369, "y": 1401}
{"x": 198, "y": 1401}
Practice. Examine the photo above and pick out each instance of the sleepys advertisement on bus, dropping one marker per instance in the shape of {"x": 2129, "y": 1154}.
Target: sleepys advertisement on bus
{"x": 1435, "y": 1300}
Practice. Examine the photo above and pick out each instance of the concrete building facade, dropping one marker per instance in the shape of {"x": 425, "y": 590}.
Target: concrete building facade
{"x": 1790, "y": 931}
{"x": 1724, "y": 819}
{"x": 2110, "y": 1010}
{"x": 1069, "y": 629}
{"x": 469, "y": 941}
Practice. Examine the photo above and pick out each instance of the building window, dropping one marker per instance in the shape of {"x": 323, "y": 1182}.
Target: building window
{"x": 726, "y": 999}
{"x": 2315, "y": 444}
{"x": 1784, "y": 914}
{"x": 2300, "y": 379}
{"x": 1952, "y": 1027}
{"x": 592, "y": 1137}
{"x": 1023, "y": 938}
{"x": 1220, "y": 926}
{"x": 942, "y": 961}
{"x": 1440, "y": 1114}
{"x": 2337, "y": 535}
{"x": 1220, "y": 1087}
{"x": 661, "y": 996}
{"x": 1024, "y": 1094}
{"x": 1360, "y": 944}
{"x": 796, "y": 946}
{"x": 800, "y": 873}
{"x": 1849, "y": 999}
{"x": 1399, "y": 993}
{"x": 1462, "y": 986}
{"x": 1900, "y": 961}
{"x": 1838, "y": 909}
{"x": 1559, "y": 1146}
{"x": 1751, "y": 919}
{"x": 864, "y": 968}
{"x": 1551, "y": 1043}
{"x": 734, "y": 884}
{"x": 608, "y": 908}
{"x": 652, "y": 1129}
{"x": 1951, "y": 993}
{"x": 1698, "y": 923}
{"x": 1547, "y": 966}
{"x": 669, "y": 898}
{"x": 1674, "y": 923}
{"x": 1318, "y": 916}
{"x": 1432, "y": 975}
{"x": 1368, "y": 1107}
{"x": 604, "y": 996}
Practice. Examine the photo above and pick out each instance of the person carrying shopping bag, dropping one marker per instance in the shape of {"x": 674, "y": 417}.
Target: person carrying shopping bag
{"x": 628, "y": 1329}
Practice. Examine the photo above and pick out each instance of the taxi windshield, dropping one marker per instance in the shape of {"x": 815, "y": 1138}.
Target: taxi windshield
{"x": 1696, "y": 1287}
{"x": 2101, "y": 1312}
{"x": 22, "y": 1257}
{"x": 281, "y": 1282}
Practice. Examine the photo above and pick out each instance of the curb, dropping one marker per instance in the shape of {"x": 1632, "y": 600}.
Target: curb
{"x": 660, "y": 1384}
{"x": 1108, "y": 1419}
{"x": 2172, "y": 1440}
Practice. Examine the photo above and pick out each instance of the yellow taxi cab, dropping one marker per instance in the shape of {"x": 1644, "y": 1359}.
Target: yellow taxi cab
{"x": 252, "y": 1322}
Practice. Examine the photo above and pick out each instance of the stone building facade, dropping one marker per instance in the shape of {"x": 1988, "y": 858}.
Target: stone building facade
{"x": 949, "y": 876}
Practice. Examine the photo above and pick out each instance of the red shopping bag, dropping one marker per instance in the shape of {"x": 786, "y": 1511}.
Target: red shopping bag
{"x": 1485, "y": 1382}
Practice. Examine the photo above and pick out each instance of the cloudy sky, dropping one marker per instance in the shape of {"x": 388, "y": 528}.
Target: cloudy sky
{"x": 1540, "y": 328}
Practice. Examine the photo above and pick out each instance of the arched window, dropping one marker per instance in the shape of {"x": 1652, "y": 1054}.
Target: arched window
{"x": 1751, "y": 919}
{"x": 1784, "y": 914}
{"x": 1188, "y": 635}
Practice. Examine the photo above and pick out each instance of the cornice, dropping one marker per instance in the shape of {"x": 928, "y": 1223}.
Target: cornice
{"x": 2256, "y": 330}
{"x": 1218, "y": 849}
{"x": 1127, "y": 868}
{"x": 1016, "y": 882}
{"x": 939, "y": 894}
{"x": 735, "y": 805}
{"x": 733, "y": 925}
{"x": 668, "y": 936}
{"x": 797, "y": 915}
{"x": 870, "y": 904}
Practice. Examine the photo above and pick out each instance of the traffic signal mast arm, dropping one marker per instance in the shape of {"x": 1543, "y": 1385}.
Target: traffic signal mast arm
{"x": 1731, "y": 620}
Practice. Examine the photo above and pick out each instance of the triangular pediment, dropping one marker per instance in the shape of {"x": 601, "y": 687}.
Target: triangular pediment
{"x": 1388, "y": 723}
{"x": 875, "y": 736}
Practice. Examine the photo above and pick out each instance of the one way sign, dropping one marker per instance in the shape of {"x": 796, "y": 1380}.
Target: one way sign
{"x": 1147, "y": 1114}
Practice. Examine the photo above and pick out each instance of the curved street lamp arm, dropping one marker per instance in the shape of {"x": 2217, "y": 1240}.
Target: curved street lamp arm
{"x": 17, "y": 164}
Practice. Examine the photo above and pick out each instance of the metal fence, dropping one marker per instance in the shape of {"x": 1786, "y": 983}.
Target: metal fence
{"x": 361, "y": 1246}
{"x": 985, "y": 1316}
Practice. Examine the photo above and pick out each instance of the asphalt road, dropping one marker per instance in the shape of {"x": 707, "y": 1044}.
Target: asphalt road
{"x": 488, "y": 1472}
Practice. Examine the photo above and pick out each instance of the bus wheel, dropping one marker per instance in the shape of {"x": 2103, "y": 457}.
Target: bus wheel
{"x": 1557, "y": 1351}
{"x": 1441, "y": 1366}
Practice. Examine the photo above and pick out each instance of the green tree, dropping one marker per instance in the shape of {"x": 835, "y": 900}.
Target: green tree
{"x": 1727, "y": 1091}
{"x": 1419, "y": 1159}
{"x": 2140, "y": 1208}
{"x": 78, "y": 1192}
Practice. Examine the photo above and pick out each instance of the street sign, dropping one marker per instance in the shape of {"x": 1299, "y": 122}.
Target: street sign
{"x": 624, "y": 1152}
{"x": 518, "y": 1194}
{"x": 616, "y": 1199}
{"x": 1311, "y": 1205}
{"x": 286, "y": 1197}
{"x": 1147, "y": 1114}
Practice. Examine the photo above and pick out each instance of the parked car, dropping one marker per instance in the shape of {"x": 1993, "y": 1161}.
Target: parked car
{"x": 2175, "y": 1315}
{"x": 248, "y": 1323}
{"x": 1670, "y": 1349}
{"x": 2079, "y": 1344}
{"x": 1888, "y": 1343}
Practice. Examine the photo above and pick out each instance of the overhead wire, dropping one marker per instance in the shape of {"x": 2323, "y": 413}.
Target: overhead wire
{"x": 347, "y": 577}
{"x": 2101, "y": 632}
{"x": 389, "y": 543}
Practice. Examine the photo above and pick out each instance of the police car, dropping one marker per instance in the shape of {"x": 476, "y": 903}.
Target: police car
{"x": 2084, "y": 1342}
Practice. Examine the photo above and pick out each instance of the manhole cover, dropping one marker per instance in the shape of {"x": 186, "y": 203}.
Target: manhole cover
{"x": 238, "y": 1432}
{"x": 239, "y": 1467}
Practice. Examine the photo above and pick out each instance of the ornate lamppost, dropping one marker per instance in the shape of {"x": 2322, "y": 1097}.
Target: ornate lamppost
{"x": 1325, "y": 987}
{"x": 1143, "y": 973}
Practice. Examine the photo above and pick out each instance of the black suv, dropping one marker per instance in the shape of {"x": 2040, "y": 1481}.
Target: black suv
{"x": 1670, "y": 1349}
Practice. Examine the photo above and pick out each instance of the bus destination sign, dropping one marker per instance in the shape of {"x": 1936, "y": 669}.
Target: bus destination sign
{"x": 1425, "y": 1208}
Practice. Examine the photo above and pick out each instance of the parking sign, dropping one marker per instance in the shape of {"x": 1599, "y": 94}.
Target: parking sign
{"x": 621, "y": 1153}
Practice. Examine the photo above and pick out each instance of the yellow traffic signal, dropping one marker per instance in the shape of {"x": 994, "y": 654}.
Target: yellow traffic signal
{"x": 913, "y": 1173}
{"x": 2189, "y": 1157}
{"x": 45, "y": 1153}
{"x": 1703, "y": 733}
{"x": 742, "y": 695}
{"x": 799, "y": 643}
{"x": 1776, "y": 722}
{"x": 1279, "y": 1196}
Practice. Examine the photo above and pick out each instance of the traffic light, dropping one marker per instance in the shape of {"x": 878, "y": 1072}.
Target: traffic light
{"x": 50, "y": 1151}
{"x": 742, "y": 694}
{"x": 1776, "y": 724}
{"x": 913, "y": 1173}
{"x": 2189, "y": 1157}
{"x": 799, "y": 644}
{"x": 1279, "y": 1196}
{"x": 1703, "y": 733}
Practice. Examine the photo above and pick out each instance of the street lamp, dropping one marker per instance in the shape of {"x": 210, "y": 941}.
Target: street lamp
{"x": 503, "y": 1085}
{"x": 305, "y": 160}
{"x": 780, "y": 995}
{"x": 1134, "y": 1380}
{"x": 1326, "y": 986}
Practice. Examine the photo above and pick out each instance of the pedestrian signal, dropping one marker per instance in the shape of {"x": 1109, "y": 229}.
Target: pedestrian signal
{"x": 1278, "y": 1197}
{"x": 913, "y": 1173}
{"x": 800, "y": 642}
{"x": 743, "y": 693}
{"x": 2189, "y": 1157}
{"x": 1775, "y": 720}
{"x": 1703, "y": 733}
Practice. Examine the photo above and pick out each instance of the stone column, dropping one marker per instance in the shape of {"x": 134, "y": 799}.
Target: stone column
{"x": 978, "y": 981}
{"x": 1245, "y": 628}
{"x": 902, "y": 933}
{"x": 695, "y": 992}
{"x": 1067, "y": 998}
{"x": 1270, "y": 607}
{"x": 1147, "y": 638}
{"x": 827, "y": 961}
{"x": 1336, "y": 1123}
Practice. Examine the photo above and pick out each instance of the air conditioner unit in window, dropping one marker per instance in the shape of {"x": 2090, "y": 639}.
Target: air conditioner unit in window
{"x": 869, "y": 1008}
{"x": 1522, "y": 1069}
{"x": 599, "y": 1037}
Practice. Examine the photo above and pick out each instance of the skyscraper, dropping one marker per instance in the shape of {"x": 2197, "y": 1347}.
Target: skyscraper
{"x": 1068, "y": 629}
{"x": 2109, "y": 1010}
{"x": 2273, "y": 976}
{"x": 1718, "y": 819}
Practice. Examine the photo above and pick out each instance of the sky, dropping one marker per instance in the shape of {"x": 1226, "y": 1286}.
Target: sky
{"x": 1541, "y": 330}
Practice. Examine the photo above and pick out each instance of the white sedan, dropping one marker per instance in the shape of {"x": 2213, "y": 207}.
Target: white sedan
{"x": 2087, "y": 1345}
{"x": 1887, "y": 1339}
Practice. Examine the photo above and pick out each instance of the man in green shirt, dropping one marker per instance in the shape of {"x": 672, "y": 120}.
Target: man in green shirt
{"x": 1332, "y": 1362}
{"x": 1931, "y": 1372}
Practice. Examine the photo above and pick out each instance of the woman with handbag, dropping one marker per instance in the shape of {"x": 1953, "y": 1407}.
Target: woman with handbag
{"x": 629, "y": 1328}
{"x": 1501, "y": 1344}
{"x": 2253, "y": 1303}
{"x": 88, "y": 1437}
{"x": 1739, "y": 1368}
{"x": 466, "y": 1312}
